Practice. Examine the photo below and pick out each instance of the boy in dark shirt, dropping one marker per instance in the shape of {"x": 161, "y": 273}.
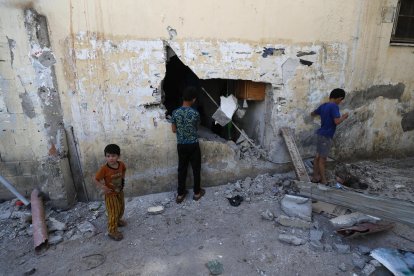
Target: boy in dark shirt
{"x": 330, "y": 118}
{"x": 110, "y": 178}
{"x": 185, "y": 121}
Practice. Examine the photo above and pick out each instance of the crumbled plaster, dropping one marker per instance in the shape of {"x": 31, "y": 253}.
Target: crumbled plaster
{"x": 12, "y": 46}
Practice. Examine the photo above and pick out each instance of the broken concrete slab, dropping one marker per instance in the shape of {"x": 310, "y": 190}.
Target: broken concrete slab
{"x": 342, "y": 248}
{"x": 5, "y": 214}
{"x": 316, "y": 245}
{"x": 86, "y": 227}
{"x": 363, "y": 249}
{"x": 315, "y": 235}
{"x": 290, "y": 239}
{"x": 267, "y": 215}
{"x": 215, "y": 267}
{"x": 155, "y": 210}
{"x": 358, "y": 260}
{"x": 368, "y": 269}
{"x": 55, "y": 225}
{"x": 352, "y": 219}
{"x": 380, "y": 206}
{"x": 296, "y": 206}
{"x": 55, "y": 239}
{"x": 293, "y": 222}
{"x": 342, "y": 267}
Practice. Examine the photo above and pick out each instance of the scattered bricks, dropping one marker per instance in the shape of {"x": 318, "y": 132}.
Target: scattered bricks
{"x": 342, "y": 267}
{"x": 358, "y": 261}
{"x": 296, "y": 206}
{"x": 368, "y": 269}
{"x": 267, "y": 215}
{"x": 155, "y": 210}
{"x": 342, "y": 248}
{"x": 293, "y": 222}
{"x": 315, "y": 235}
{"x": 290, "y": 239}
{"x": 316, "y": 245}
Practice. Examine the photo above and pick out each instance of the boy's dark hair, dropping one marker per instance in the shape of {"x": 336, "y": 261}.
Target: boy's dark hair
{"x": 112, "y": 149}
{"x": 337, "y": 93}
{"x": 190, "y": 93}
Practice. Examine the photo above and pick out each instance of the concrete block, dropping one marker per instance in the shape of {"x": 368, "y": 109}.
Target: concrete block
{"x": 316, "y": 245}
{"x": 358, "y": 261}
{"x": 368, "y": 269}
{"x": 155, "y": 210}
{"x": 352, "y": 219}
{"x": 290, "y": 239}
{"x": 293, "y": 222}
{"x": 315, "y": 235}
{"x": 342, "y": 248}
{"x": 296, "y": 206}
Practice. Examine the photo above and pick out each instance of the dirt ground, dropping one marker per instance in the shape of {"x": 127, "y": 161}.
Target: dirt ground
{"x": 183, "y": 238}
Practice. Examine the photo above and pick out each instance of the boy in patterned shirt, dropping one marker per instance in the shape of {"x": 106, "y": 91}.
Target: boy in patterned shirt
{"x": 111, "y": 178}
{"x": 185, "y": 121}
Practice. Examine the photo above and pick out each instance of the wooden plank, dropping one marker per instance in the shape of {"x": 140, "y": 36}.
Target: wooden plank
{"x": 383, "y": 207}
{"x": 300, "y": 169}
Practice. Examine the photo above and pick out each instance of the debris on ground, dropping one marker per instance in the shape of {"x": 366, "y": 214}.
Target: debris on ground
{"x": 352, "y": 219}
{"x": 273, "y": 230}
{"x": 155, "y": 210}
{"x": 215, "y": 267}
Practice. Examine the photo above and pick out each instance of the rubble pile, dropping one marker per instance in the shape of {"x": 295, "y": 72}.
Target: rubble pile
{"x": 76, "y": 223}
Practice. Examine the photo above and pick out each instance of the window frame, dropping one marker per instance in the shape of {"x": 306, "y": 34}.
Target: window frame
{"x": 398, "y": 40}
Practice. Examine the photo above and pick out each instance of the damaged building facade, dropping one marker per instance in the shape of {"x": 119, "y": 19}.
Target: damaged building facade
{"x": 76, "y": 75}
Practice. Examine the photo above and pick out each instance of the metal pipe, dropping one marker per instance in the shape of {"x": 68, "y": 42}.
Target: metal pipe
{"x": 40, "y": 236}
{"x": 13, "y": 190}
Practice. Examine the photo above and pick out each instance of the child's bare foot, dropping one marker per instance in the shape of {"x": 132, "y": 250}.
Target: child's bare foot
{"x": 122, "y": 223}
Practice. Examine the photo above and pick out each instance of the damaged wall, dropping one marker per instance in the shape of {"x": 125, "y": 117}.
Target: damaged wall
{"x": 105, "y": 64}
{"x": 33, "y": 141}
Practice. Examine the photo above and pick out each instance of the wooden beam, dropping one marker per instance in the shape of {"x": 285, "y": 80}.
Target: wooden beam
{"x": 391, "y": 209}
{"x": 300, "y": 168}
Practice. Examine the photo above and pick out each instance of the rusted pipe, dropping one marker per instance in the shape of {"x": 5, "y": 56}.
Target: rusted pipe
{"x": 13, "y": 190}
{"x": 38, "y": 221}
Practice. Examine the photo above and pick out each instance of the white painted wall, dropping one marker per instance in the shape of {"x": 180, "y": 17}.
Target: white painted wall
{"x": 111, "y": 61}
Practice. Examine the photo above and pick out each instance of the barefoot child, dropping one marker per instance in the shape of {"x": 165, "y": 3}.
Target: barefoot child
{"x": 110, "y": 178}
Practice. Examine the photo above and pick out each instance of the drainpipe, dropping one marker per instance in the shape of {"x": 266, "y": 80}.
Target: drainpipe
{"x": 13, "y": 190}
{"x": 38, "y": 221}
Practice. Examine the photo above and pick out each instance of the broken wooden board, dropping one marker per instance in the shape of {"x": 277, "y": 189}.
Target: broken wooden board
{"x": 300, "y": 168}
{"x": 383, "y": 207}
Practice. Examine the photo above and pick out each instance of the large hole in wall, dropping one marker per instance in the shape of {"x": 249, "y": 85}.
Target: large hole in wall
{"x": 251, "y": 105}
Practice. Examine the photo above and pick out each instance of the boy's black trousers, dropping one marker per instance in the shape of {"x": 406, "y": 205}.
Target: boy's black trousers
{"x": 188, "y": 153}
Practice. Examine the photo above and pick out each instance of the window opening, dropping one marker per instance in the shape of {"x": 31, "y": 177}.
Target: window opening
{"x": 403, "y": 31}
{"x": 250, "y": 97}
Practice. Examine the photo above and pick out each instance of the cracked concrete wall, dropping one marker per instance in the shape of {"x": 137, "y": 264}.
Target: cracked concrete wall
{"x": 33, "y": 143}
{"x": 110, "y": 59}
